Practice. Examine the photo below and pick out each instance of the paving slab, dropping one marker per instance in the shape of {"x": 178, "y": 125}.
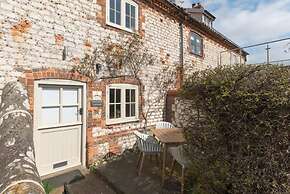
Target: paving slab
{"x": 121, "y": 173}
{"x": 91, "y": 184}
{"x": 80, "y": 181}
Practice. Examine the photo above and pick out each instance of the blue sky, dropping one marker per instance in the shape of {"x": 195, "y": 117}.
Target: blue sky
{"x": 248, "y": 22}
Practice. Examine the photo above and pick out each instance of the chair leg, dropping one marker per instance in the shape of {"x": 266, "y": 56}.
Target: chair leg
{"x": 172, "y": 167}
{"x": 139, "y": 158}
{"x": 182, "y": 179}
{"x": 141, "y": 164}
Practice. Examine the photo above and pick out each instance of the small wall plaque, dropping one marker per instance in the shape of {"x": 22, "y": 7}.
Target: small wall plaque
{"x": 97, "y": 99}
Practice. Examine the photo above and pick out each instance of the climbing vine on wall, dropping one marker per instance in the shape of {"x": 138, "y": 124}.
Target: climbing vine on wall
{"x": 128, "y": 56}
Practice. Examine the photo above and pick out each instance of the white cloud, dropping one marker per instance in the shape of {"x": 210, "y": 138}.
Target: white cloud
{"x": 270, "y": 20}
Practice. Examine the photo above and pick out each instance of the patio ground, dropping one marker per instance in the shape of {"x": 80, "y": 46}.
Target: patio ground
{"x": 121, "y": 174}
{"x": 79, "y": 181}
{"x": 116, "y": 175}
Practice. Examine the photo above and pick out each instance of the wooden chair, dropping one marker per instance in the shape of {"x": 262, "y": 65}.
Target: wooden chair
{"x": 163, "y": 124}
{"x": 147, "y": 145}
{"x": 179, "y": 156}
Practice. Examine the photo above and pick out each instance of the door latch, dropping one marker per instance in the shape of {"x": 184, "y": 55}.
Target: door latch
{"x": 81, "y": 111}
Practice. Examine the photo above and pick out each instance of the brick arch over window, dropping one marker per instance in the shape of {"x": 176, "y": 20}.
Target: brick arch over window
{"x": 30, "y": 76}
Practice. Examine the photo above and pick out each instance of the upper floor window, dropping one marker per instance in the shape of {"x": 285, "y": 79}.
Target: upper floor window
{"x": 122, "y": 14}
{"x": 196, "y": 44}
{"x": 122, "y": 103}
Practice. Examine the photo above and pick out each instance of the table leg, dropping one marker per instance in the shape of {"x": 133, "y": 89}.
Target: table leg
{"x": 164, "y": 163}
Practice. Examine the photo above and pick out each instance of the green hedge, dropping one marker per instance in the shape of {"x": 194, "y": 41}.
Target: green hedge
{"x": 239, "y": 141}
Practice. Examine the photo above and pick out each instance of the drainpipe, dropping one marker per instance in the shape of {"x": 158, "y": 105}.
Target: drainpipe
{"x": 170, "y": 99}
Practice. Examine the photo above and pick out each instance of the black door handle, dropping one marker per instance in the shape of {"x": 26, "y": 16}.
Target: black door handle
{"x": 81, "y": 111}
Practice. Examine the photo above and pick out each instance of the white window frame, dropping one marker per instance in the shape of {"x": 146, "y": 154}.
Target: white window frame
{"x": 123, "y": 15}
{"x": 123, "y": 118}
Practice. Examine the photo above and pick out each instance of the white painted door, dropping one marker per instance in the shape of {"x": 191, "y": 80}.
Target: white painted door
{"x": 58, "y": 133}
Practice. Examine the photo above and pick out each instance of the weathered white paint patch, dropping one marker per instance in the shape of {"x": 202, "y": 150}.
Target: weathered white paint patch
{"x": 12, "y": 164}
{"x": 10, "y": 107}
{"x": 10, "y": 142}
{"x": 13, "y": 176}
{"x": 29, "y": 171}
{"x": 27, "y": 159}
{"x": 16, "y": 160}
{"x": 30, "y": 156}
{"x": 26, "y": 104}
{"x": 27, "y": 166}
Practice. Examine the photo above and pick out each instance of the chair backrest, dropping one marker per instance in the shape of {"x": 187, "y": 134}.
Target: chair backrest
{"x": 141, "y": 136}
{"x": 163, "y": 124}
{"x": 145, "y": 142}
{"x": 141, "y": 139}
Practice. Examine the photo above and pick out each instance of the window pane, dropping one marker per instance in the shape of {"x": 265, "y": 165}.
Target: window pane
{"x": 128, "y": 9}
{"x": 118, "y": 18}
{"x": 198, "y": 51}
{"x": 127, "y": 110}
{"x": 69, "y": 114}
{"x": 112, "y": 111}
{"x": 49, "y": 116}
{"x": 128, "y": 22}
{"x": 133, "y": 108}
{"x": 118, "y": 110}
{"x": 193, "y": 44}
{"x": 112, "y": 16}
{"x": 112, "y": 95}
{"x": 133, "y": 21}
{"x": 133, "y": 95}
{"x": 50, "y": 96}
{"x": 70, "y": 96}
{"x": 192, "y": 38}
{"x": 118, "y": 5}
{"x": 118, "y": 95}
{"x": 127, "y": 95}
{"x": 133, "y": 14}
{"x": 112, "y": 4}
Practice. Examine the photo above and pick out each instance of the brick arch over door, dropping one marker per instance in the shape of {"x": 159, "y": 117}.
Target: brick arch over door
{"x": 51, "y": 73}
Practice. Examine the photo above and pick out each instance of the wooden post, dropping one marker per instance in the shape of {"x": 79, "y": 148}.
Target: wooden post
{"x": 17, "y": 163}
